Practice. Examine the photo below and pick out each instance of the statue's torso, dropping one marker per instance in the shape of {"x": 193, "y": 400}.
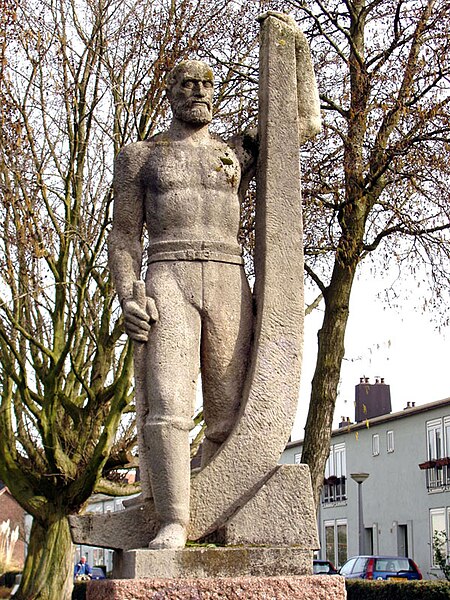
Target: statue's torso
{"x": 191, "y": 190}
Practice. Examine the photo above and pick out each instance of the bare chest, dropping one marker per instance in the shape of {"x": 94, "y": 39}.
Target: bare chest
{"x": 175, "y": 167}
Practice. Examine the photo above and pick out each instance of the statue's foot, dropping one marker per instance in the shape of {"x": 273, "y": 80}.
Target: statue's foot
{"x": 171, "y": 536}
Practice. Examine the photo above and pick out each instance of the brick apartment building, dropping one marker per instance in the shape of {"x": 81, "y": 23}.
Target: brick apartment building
{"x": 10, "y": 509}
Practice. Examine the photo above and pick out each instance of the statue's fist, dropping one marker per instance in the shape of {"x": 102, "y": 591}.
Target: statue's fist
{"x": 138, "y": 318}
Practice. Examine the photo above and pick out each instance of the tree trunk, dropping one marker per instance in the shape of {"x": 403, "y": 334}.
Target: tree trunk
{"x": 325, "y": 382}
{"x": 48, "y": 571}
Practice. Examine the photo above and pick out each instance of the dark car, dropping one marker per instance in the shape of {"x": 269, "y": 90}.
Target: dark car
{"x": 97, "y": 573}
{"x": 380, "y": 567}
{"x": 323, "y": 567}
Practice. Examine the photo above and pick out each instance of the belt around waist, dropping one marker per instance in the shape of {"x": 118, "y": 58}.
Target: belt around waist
{"x": 195, "y": 250}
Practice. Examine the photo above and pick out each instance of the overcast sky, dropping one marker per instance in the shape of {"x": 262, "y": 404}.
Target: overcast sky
{"x": 401, "y": 345}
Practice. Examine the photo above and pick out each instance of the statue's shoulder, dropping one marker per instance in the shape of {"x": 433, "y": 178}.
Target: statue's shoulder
{"x": 134, "y": 156}
{"x": 134, "y": 150}
{"x": 245, "y": 146}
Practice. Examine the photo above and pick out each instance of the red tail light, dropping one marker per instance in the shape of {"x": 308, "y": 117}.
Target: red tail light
{"x": 370, "y": 567}
{"x": 416, "y": 568}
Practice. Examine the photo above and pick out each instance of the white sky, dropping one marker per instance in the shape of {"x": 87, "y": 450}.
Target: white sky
{"x": 401, "y": 345}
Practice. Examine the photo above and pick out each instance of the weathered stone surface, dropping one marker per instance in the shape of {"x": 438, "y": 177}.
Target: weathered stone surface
{"x": 269, "y": 399}
{"x": 281, "y": 513}
{"x": 130, "y": 528}
{"x": 271, "y": 390}
{"x": 262, "y": 588}
{"x": 213, "y": 562}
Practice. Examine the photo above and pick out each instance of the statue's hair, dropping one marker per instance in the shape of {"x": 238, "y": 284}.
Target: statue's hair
{"x": 175, "y": 73}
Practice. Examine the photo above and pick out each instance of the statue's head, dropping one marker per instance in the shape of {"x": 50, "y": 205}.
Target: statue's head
{"x": 190, "y": 87}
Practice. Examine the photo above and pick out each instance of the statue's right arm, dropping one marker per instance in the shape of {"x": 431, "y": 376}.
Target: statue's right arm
{"x": 125, "y": 239}
{"x": 307, "y": 93}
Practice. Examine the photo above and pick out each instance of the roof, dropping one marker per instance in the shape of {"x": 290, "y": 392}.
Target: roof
{"x": 402, "y": 414}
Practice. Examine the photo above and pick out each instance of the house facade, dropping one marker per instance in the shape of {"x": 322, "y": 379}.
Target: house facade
{"x": 405, "y": 497}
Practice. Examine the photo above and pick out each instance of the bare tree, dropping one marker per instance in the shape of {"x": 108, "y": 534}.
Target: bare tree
{"x": 375, "y": 183}
{"x": 78, "y": 81}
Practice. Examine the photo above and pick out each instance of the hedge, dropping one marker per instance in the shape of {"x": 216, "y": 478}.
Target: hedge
{"x": 79, "y": 590}
{"x": 358, "y": 589}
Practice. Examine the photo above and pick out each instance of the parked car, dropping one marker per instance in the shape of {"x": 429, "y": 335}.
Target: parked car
{"x": 323, "y": 567}
{"x": 97, "y": 573}
{"x": 380, "y": 567}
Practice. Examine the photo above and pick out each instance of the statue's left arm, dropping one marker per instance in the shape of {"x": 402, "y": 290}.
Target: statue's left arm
{"x": 245, "y": 146}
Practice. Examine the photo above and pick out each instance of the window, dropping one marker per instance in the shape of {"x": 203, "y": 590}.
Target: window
{"x": 336, "y": 541}
{"x": 334, "y": 489}
{"x": 390, "y": 441}
{"x": 341, "y": 534}
{"x": 434, "y": 439}
{"x": 330, "y": 553}
{"x": 375, "y": 444}
{"x": 336, "y": 463}
{"x": 437, "y": 466}
{"x": 297, "y": 458}
{"x": 437, "y": 528}
{"x": 447, "y": 435}
{"x": 339, "y": 457}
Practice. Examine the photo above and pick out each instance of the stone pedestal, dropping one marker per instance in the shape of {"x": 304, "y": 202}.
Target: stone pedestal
{"x": 209, "y": 573}
{"x": 213, "y": 562}
{"x": 312, "y": 587}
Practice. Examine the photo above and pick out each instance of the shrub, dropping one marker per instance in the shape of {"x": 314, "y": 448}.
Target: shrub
{"x": 358, "y": 589}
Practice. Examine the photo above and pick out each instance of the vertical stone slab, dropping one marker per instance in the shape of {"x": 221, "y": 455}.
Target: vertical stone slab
{"x": 271, "y": 392}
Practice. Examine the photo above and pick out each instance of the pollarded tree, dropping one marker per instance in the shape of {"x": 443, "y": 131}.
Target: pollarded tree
{"x": 376, "y": 179}
{"x": 78, "y": 81}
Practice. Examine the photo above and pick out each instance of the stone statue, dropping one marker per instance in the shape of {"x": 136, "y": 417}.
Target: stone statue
{"x": 196, "y": 313}
{"x": 183, "y": 184}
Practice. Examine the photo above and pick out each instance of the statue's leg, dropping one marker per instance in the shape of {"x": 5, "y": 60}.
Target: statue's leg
{"x": 226, "y": 340}
{"x": 172, "y": 366}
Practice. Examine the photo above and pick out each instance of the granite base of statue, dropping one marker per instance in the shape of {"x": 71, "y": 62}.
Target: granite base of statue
{"x": 252, "y": 527}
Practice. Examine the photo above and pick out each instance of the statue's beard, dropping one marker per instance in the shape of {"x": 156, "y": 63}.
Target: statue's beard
{"x": 197, "y": 113}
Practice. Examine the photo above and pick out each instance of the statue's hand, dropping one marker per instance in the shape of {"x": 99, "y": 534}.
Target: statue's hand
{"x": 283, "y": 17}
{"x": 138, "y": 320}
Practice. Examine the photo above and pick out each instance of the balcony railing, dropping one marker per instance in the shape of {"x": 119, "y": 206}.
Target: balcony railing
{"x": 437, "y": 473}
{"x": 334, "y": 489}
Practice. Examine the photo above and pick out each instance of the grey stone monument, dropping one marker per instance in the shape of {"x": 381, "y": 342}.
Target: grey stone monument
{"x": 195, "y": 312}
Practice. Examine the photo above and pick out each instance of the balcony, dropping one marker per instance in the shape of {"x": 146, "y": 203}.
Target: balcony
{"x": 334, "y": 490}
{"x": 437, "y": 472}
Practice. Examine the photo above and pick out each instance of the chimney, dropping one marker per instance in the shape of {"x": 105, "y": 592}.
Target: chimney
{"x": 345, "y": 422}
{"x": 372, "y": 400}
